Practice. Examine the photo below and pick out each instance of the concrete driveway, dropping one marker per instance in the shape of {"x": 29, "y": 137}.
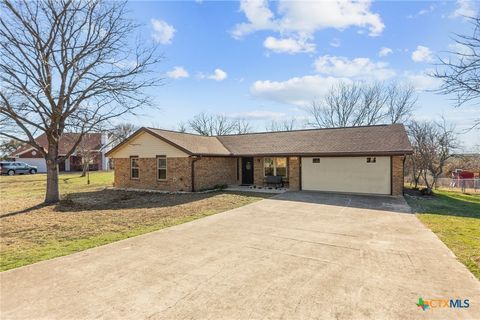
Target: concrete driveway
{"x": 296, "y": 256}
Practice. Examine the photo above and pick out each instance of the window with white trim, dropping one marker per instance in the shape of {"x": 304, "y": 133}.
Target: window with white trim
{"x": 162, "y": 168}
{"x": 134, "y": 168}
{"x": 275, "y": 166}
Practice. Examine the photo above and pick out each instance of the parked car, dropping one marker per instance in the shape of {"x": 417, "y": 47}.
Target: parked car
{"x": 12, "y": 168}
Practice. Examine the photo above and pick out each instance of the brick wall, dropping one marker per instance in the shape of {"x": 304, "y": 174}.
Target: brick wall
{"x": 212, "y": 171}
{"x": 397, "y": 175}
{"x": 31, "y": 154}
{"x": 258, "y": 176}
{"x": 294, "y": 173}
{"x": 209, "y": 172}
{"x": 178, "y": 174}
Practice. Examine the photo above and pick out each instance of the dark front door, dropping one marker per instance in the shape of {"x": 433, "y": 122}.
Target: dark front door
{"x": 247, "y": 170}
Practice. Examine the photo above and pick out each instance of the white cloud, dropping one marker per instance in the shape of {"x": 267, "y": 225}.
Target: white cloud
{"x": 362, "y": 68}
{"x": 422, "y": 12}
{"x": 259, "y": 16}
{"x": 335, "y": 43}
{"x": 310, "y": 16}
{"x": 384, "y": 51}
{"x": 422, "y": 81}
{"x": 177, "y": 73}
{"x": 301, "y": 19}
{"x": 257, "y": 115}
{"x": 299, "y": 90}
{"x": 217, "y": 75}
{"x": 422, "y": 54}
{"x": 162, "y": 31}
{"x": 465, "y": 8}
{"x": 288, "y": 45}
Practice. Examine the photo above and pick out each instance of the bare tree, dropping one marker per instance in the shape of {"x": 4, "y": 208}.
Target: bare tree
{"x": 358, "y": 104}
{"x": 460, "y": 72}
{"x": 68, "y": 66}
{"x": 400, "y": 100}
{"x": 465, "y": 161}
{"x": 414, "y": 165}
{"x": 8, "y": 146}
{"x": 212, "y": 125}
{"x": 285, "y": 125}
{"x": 119, "y": 133}
{"x": 372, "y": 104}
{"x": 434, "y": 143}
{"x": 242, "y": 126}
{"x": 182, "y": 127}
{"x": 339, "y": 107}
{"x": 84, "y": 151}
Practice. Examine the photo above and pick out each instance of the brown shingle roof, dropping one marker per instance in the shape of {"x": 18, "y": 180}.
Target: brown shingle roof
{"x": 92, "y": 141}
{"x": 380, "y": 139}
{"x": 372, "y": 140}
{"x": 193, "y": 143}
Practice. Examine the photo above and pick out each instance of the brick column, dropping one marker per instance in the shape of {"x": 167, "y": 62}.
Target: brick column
{"x": 258, "y": 171}
{"x": 397, "y": 175}
{"x": 294, "y": 173}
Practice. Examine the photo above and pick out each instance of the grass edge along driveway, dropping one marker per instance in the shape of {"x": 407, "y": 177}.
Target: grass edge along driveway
{"x": 455, "y": 218}
{"x": 89, "y": 216}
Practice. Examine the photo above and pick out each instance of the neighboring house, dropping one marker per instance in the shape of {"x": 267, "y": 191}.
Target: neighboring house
{"x": 92, "y": 144}
{"x": 357, "y": 160}
{"x": 466, "y": 162}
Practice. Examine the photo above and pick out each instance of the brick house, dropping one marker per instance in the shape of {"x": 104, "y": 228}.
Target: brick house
{"x": 366, "y": 159}
{"x": 94, "y": 143}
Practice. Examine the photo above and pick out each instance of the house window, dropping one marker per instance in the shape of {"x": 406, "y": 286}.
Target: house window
{"x": 162, "y": 168}
{"x": 316, "y": 160}
{"x": 371, "y": 160}
{"x": 275, "y": 167}
{"x": 134, "y": 169}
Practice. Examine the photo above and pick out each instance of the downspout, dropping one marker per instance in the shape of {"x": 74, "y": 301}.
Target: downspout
{"x": 194, "y": 159}
{"x": 403, "y": 173}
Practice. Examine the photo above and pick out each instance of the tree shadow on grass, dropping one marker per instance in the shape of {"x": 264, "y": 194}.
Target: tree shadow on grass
{"x": 443, "y": 204}
{"x": 118, "y": 199}
{"x": 26, "y": 210}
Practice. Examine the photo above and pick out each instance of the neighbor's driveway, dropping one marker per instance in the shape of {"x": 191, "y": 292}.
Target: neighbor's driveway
{"x": 297, "y": 256}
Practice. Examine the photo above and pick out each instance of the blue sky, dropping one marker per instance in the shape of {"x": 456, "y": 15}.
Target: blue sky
{"x": 267, "y": 61}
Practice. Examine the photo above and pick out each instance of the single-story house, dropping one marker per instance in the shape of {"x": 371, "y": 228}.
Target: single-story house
{"x": 92, "y": 144}
{"x": 366, "y": 159}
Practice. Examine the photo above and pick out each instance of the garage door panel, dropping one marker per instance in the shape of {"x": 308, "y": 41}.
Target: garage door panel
{"x": 346, "y": 174}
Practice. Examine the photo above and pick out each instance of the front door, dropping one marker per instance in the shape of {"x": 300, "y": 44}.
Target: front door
{"x": 247, "y": 170}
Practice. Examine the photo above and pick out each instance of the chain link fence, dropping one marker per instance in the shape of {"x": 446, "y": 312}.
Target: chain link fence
{"x": 463, "y": 185}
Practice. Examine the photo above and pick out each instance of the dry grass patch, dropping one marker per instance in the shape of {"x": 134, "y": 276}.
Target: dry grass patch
{"x": 94, "y": 217}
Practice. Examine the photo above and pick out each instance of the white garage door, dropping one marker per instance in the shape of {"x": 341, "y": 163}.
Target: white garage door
{"x": 347, "y": 174}
{"x": 39, "y": 162}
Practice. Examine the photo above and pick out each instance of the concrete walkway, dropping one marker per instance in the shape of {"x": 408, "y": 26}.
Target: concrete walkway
{"x": 295, "y": 256}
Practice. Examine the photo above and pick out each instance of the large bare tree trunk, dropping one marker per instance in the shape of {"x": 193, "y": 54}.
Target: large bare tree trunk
{"x": 63, "y": 70}
{"x": 52, "y": 195}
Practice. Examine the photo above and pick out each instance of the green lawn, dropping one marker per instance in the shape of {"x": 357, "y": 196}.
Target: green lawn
{"x": 455, "y": 218}
{"x": 32, "y": 187}
{"x": 89, "y": 215}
